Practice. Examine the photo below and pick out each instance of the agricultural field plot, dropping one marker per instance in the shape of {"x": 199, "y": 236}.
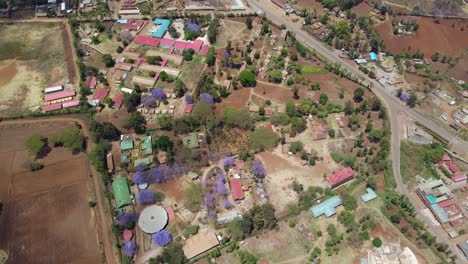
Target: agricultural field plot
{"x": 428, "y": 7}
{"x": 237, "y": 99}
{"x": 434, "y": 35}
{"x": 33, "y": 56}
{"x": 46, "y": 218}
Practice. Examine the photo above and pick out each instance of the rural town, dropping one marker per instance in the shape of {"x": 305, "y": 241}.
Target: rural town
{"x": 233, "y": 131}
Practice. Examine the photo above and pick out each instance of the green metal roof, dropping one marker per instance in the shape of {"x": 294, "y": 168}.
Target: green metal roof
{"x": 146, "y": 161}
{"x": 124, "y": 158}
{"x": 191, "y": 141}
{"x": 121, "y": 192}
{"x": 192, "y": 175}
{"x": 126, "y": 144}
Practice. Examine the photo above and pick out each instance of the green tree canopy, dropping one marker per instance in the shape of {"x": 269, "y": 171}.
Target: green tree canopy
{"x": 70, "y": 138}
{"x": 135, "y": 121}
{"x": 36, "y": 143}
{"x": 263, "y": 139}
{"x": 247, "y": 79}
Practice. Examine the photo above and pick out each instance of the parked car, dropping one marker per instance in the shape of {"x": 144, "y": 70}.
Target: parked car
{"x": 455, "y": 126}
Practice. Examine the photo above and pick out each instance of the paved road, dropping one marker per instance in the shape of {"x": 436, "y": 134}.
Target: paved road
{"x": 394, "y": 106}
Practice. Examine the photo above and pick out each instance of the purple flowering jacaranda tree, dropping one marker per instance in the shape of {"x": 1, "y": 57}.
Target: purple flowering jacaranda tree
{"x": 146, "y": 197}
{"x": 130, "y": 248}
{"x": 227, "y": 204}
{"x": 206, "y": 98}
{"x": 258, "y": 170}
{"x": 220, "y": 188}
{"x": 228, "y": 161}
{"x": 125, "y": 217}
{"x": 188, "y": 99}
{"x": 162, "y": 238}
{"x": 141, "y": 167}
{"x": 140, "y": 178}
{"x": 159, "y": 94}
{"x": 209, "y": 200}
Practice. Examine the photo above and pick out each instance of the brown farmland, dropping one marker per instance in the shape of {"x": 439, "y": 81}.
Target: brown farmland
{"x": 45, "y": 217}
{"x": 434, "y": 35}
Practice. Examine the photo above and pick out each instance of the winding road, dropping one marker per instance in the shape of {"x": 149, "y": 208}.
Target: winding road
{"x": 394, "y": 106}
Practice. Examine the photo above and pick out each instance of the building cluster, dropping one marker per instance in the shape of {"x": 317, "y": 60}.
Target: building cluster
{"x": 56, "y": 98}
{"x": 455, "y": 174}
{"x": 437, "y": 197}
{"x": 136, "y": 150}
{"x": 390, "y": 254}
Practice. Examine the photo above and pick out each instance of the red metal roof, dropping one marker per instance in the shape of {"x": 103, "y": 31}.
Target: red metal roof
{"x": 118, "y": 99}
{"x": 91, "y": 82}
{"x": 445, "y": 158}
{"x": 204, "y": 49}
{"x": 236, "y": 189}
{"x": 170, "y": 213}
{"x": 167, "y": 42}
{"x": 446, "y": 203}
{"x": 459, "y": 176}
{"x": 71, "y": 103}
{"x": 196, "y": 45}
{"x": 147, "y": 40}
{"x": 270, "y": 127}
{"x": 340, "y": 176}
{"x": 188, "y": 108}
{"x": 163, "y": 63}
{"x": 133, "y": 24}
{"x": 180, "y": 45}
{"x": 100, "y": 94}
{"x": 52, "y": 107}
{"x": 58, "y": 95}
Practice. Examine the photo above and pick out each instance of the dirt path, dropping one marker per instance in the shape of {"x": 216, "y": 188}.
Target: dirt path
{"x": 103, "y": 217}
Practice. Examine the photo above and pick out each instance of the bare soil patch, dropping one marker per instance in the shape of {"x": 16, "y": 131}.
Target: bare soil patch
{"x": 434, "y": 35}
{"x": 237, "y": 99}
{"x": 46, "y": 218}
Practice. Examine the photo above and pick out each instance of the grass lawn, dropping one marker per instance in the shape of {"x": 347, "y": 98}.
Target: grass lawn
{"x": 311, "y": 69}
{"x": 413, "y": 163}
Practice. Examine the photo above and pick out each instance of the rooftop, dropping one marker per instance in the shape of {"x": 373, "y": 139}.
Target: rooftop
{"x": 100, "y": 94}
{"x": 163, "y": 25}
{"x": 190, "y": 141}
{"x": 58, "y": 95}
{"x": 340, "y": 176}
{"x": 126, "y": 144}
{"x": 152, "y": 219}
{"x": 199, "y": 243}
{"x": 327, "y": 207}
{"x": 236, "y": 189}
{"x": 121, "y": 192}
{"x": 370, "y": 195}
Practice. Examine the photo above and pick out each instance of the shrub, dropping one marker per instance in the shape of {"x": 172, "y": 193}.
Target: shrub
{"x": 247, "y": 79}
{"x": 377, "y": 242}
{"x": 35, "y": 166}
{"x": 35, "y": 144}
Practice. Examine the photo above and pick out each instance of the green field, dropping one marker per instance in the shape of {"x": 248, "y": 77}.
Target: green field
{"x": 413, "y": 162}
{"x": 312, "y": 69}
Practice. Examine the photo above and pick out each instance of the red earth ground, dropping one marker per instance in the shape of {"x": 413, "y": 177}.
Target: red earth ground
{"x": 434, "y": 35}
{"x": 46, "y": 218}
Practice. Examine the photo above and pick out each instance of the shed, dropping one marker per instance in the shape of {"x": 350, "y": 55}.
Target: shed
{"x": 464, "y": 247}
{"x": 72, "y": 103}
{"x": 52, "y": 107}
{"x": 100, "y": 94}
{"x": 373, "y": 56}
{"x": 340, "y": 176}
{"x": 188, "y": 108}
{"x": 126, "y": 144}
{"x": 121, "y": 192}
{"x": 110, "y": 162}
{"x": 118, "y": 100}
{"x": 370, "y": 195}
{"x": 459, "y": 176}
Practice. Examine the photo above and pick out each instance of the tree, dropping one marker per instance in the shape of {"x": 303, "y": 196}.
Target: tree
{"x": 194, "y": 195}
{"x": 211, "y": 57}
{"x": 275, "y": 76}
{"x": 377, "y": 242}
{"x": 135, "y": 121}
{"x": 298, "y": 125}
{"x": 153, "y": 60}
{"x": 130, "y": 248}
{"x": 162, "y": 238}
{"x": 141, "y": 177}
{"x": 247, "y": 79}
{"x": 248, "y": 23}
{"x": 206, "y": 98}
{"x": 70, "y": 138}
{"x": 246, "y": 257}
{"x": 159, "y": 94}
{"x": 258, "y": 170}
{"x": 119, "y": 49}
{"x": 172, "y": 254}
{"x": 36, "y": 144}
{"x": 331, "y": 133}
{"x": 323, "y": 99}
{"x": 131, "y": 101}
{"x": 295, "y": 92}
{"x": 188, "y": 54}
{"x": 290, "y": 108}
{"x": 349, "y": 202}
{"x": 98, "y": 156}
{"x": 358, "y": 94}
{"x": 412, "y": 100}
{"x": 146, "y": 197}
{"x": 108, "y": 60}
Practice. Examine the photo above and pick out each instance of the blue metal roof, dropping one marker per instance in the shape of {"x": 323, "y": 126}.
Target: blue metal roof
{"x": 163, "y": 26}
{"x": 327, "y": 207}
{"x": 373, "y": 56}
{"x": 370, "y": 195}
{"x": 441, "y": 214}
{"x": 431, "y": 199}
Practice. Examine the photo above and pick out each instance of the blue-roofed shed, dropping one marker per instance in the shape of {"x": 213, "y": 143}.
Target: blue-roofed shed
{"x": 163, "y": 25}
{"x": 327, "y": 207}
{"x": 370, "y": 195}
{"x": 440, "y": 213}
{"x": 431, "y": 199}
{"x": 373, "y": 56}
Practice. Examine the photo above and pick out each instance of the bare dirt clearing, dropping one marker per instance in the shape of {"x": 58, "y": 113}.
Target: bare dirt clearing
{"x": 46, "y": 218}
{"x": 33, "y": 55}
{"x": 434, "y": 35}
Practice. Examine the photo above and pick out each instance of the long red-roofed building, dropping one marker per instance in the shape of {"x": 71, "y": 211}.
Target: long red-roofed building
{"x": 236, "y": 189}
{"x": 133, "y": 24}
{"x": 52, "y": 107}
{"x": 340, "y": 176}
{"x": 188, "y": 108}
{"x": 100, "y": 94}
{"x": 204, "y": 50}
{"x": 72, "y": 103}
{"x": 59, "y": 95}
{"x": 147, "y": 40}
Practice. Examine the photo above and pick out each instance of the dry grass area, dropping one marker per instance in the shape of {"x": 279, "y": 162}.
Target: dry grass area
{"x": 32, "y": 56}
{"x": 45, "y": 217}
{"x": 234, "y": 31}
{"x": 282, "y": 171}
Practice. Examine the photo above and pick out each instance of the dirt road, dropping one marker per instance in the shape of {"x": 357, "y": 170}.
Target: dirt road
{"x": 102, "y": 214}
